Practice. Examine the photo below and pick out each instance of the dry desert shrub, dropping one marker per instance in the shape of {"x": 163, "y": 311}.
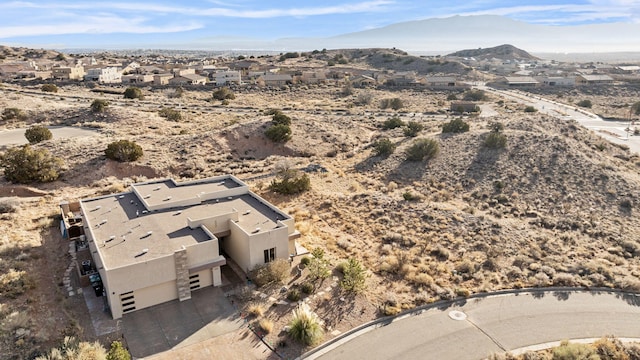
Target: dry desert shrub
{"x": 266, "y": 325}
{"x": 256, "y": 310}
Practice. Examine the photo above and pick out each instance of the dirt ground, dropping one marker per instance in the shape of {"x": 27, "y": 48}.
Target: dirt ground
{"x": 555, "y": 207}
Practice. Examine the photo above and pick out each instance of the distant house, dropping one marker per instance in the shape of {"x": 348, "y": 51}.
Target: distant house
{"x": 188, "y": 79}
{"x": 162, "y": 79}
{"x": 149, "y": 69}
{"x": 464, "y": 106}
{"x": 245, "y": 66}
{"x": 627, "y": 69}
{"x": 10, "y": 71}
{"x": 275, "y": 79}
{"x": 226, "y": 77}
{"x": 181, "y": 72}
{"x": 363, "y": 81}
{"x": 558, "y": 81}
{"x": 519, "y": 81}
{"x": 67, "y": 73}
{"x": 441, "y": 81}
{"x": 131, "y": 67}
{"x": 107, "y": 75}
{"x": 137, "y": 79}
{"x": 313, "y": 77}
{"x": 584, "y": 79}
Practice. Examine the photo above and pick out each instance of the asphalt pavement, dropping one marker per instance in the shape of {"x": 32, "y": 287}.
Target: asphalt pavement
{"x": 475, "y": 328}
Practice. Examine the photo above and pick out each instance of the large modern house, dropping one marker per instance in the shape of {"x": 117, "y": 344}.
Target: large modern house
{"x": 162, "y": 240}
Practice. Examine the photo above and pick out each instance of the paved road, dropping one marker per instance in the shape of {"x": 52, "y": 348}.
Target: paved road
{"x": 482, "y": 326}
{"x": 613, "y": 131}
{"x": 16, "y": 136}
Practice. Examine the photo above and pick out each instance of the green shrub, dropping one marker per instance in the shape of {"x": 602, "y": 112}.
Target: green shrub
{"x": 635, "y": 108}
{"x": 574, "y": 351}
{"x": 278, "y": 133}
{"x": 354, "y": 278}
{"x": 280, "y": 119}
{"x": 585, "y": 103}
{"x": 50, "y": 88}
{"x": 99, "y": 105}
{"x": 307, "y": 288}
{"x": 25, "y": 165}
{"x": 409, "y": 196}
{"x": 495, "y": 140}
{"x": 475, "y": 95}
{"x": 395, "y": 104}
{"x": 413, "y": 128}
{"x": 363, "y": 98}
{"x": 423, "y": 149}
{"x": 452, "y": 97}
{"x": 383, "y": 147}
{"x": 170, "y": 114}
{"x": 118, "y": 352}
{"x": 13, "y": 114}
{"x": 530, "y": 109}
{"x": 276, "y": 271}
{"x": 133, "y": 93}
{"x": 318, "y": 266}
{"x": 123, "y": 151}
{"x": 37, "y": 133}
{"x": 455, "y": 126}
{"x": 496, "y": 126}
{"x": 224, "y": 93}
{"x": 305, "y": 326}
{"x": 305, "y": 260}
{"x": 392, "y": 123}
{"x": 289, "y": 181}
{"x": 293, "y": 295}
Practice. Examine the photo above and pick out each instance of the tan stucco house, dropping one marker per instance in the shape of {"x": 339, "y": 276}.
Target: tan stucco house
{"x": 161, "y": 240}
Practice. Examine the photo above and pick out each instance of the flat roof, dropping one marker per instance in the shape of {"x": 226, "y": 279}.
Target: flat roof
{"x": 122, "y": 228}
{"x": 157, "y": 192}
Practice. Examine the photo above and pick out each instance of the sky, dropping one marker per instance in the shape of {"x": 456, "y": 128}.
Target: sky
{"x": 188, "y": 24}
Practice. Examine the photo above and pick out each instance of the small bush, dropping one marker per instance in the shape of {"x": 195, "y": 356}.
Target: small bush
{"x": 224, "y": 93}
{"x": 409, "y": 196}
{"x": 413, "y": 128}
{"x": 383, "y": 147}
{"x": 530, "y": 109}
{"x": 495, "y": 140}
{"x": 25, "y": 165}
{"x": 574, "y": 351}
{"x": 318, "y": 267}
{"x": 266, "y": 325}
{"x": 133, "y": 93}
{"x": 278, "y": 133}
{"x": 423, "y": 149}
{"x": 496, "y": 126}
{"x": 475, "y": 95}
{"x": 455, "y": 126}
{"x": 293, "y": 295}
{"x": 256, "y": 310}
{"x": 118, "y": 352}
{"x": 395, "y": 104}
{"x": 392, "y": 123}
{"x": 14, "y": 114}
{"x": 585, "y": 103}
{"x": 291, "y": 185}
{"x": 354, "y": 279}
{"x": 276, "y": 271}
{"x": 305, "y": 326}
{"x": 37, "y": 133}
{"x": 363, "y": 99}
{"x": 170, "y": 114}
{"x": 281, "y": 119}
{"x": 452, "y": 97}
{"x": 305, "y": 260}
{"x": 307, "y": 288}
{"x": 73, "y": 349}
{"x": 49, "y": 88}
{"x": 99, "y": 105}
{"x": 635, "y": 108}
{"x": 123, "y": 151}
{"x": 14, "y": 283}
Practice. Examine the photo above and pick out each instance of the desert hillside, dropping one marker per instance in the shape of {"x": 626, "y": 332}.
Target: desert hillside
{"x": 556, "y": 206}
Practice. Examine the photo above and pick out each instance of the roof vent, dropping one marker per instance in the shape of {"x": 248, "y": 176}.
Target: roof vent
{"x": 230, "y": 198}
{"x": 147, "y": 196}
{"x": 144, "y": 211}
{"x": 111, "y": 238}
{"x": 247, "y": 212}
{"x": 257, "y": 230}
{"x": 178, "y": 212}
{"x": 102, "y": 222}
{"x": 121, "y": 197}
{"x": 147, "y": 234}
{"x": 98, "y": 207}
{"x": 158, "y": 188}
{"x": 167, "y": 198}
{"x": 144, "y": 251}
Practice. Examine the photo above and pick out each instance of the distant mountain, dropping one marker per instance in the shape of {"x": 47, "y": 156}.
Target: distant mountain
{"x": 450, "y": 34}
{"x": 503, "y": 52}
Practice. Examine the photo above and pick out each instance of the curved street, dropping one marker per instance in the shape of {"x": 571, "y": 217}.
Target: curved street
{"x": 477, "y": 327}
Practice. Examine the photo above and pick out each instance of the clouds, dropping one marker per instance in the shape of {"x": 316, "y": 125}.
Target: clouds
{"x": 269, "y": 20}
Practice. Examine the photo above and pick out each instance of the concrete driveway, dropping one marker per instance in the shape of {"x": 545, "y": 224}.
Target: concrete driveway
{"x": 178, "y": 324}
{"x": 472, "y": 329}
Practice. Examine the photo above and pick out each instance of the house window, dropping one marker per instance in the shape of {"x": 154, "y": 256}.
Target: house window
{"x": 269, "y": 255}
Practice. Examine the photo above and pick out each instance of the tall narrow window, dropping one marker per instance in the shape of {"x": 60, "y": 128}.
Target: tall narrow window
{"x": 269, "y": 255}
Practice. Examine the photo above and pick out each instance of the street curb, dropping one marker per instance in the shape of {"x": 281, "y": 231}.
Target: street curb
{"x": 384, "y": 321}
